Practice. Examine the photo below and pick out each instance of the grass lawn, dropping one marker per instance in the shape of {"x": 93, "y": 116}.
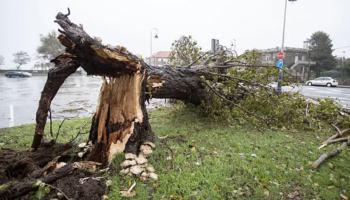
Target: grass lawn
{"x": 213, "y": 160}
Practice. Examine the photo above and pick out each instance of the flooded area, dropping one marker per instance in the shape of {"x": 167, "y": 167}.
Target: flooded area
{"x": 19, "y": 98}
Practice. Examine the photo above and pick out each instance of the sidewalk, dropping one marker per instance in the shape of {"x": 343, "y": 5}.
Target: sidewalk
{"x": 343, "y": 86}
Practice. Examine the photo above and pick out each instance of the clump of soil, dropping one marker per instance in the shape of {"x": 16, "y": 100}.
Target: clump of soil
{"x": 70, "y": 186}
{"x": 19, "y": 170}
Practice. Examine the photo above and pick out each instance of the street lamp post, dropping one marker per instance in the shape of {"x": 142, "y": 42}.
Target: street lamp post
{"x": 279, "y": 86}
{"x": 308, "y": 69}
{"x": 306, "y": 46}
{"x": 155, "y": 36}
{"x": 233, "y": 43}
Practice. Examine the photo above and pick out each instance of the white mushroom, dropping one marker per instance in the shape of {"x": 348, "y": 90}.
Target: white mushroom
{"x": 143, "y": 165}
{"x": 129, "y": 193}
{"x": 147, "y": 152}
{"x": 82, "y": 145}
{"x": 153, "y": 176}
{"x": 144, "y": 147}
{"x": 142, "y": 178}
{"x": 80, "y": 154}
{"x": 144, "y": 174}
{"x": 130, "y": 156}
{"x": 108, "y": 183}
{"x": 125, "y": 171}
{"x": 128, "y": 163}
{"x": 141, "y": 160}
{"x": 150, "y": 144}
{"x": 150, "y": 169}
{"x": 136, "y": 170}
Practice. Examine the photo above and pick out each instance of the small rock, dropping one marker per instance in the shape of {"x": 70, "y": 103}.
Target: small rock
{"x": 253, "y": 155}
{"x": 241, "y": 155}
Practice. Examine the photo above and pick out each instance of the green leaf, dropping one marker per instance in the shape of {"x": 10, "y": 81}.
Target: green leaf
{"x": 47, "y": 190}
{"x": 40, "y": 193}
{"x": 38, "y": 182}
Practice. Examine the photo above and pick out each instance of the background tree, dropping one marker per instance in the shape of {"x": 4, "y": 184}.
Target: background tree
{"x": 2, "y": 60}
{"x": 50, "y": 46}
{"x": 184, "y": 52}
{"x": 321, "y": 52}
{"x": 21, "y": 58}
{"x": 347, "y": 66}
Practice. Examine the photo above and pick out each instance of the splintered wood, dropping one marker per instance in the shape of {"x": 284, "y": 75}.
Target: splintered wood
{"x": 154, "y": 82}
{"x": 119, "y": 108}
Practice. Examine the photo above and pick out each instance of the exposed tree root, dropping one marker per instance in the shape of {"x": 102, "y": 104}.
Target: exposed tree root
{"x": 21, "y": 169}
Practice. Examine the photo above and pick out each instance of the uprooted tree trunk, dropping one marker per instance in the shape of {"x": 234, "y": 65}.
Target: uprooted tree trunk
{"x": 120, "y": 123}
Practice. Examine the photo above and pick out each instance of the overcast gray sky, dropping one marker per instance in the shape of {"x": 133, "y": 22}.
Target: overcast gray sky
{"x": 253, "y": 23}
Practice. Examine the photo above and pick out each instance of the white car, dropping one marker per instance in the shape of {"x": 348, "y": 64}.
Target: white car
{"x": 326, "y": 81}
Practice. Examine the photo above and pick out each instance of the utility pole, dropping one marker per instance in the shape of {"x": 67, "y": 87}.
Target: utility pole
{"x": 156, "y": 36}
{"x": 279, "y": 86}
{"x": 308, "y": 69}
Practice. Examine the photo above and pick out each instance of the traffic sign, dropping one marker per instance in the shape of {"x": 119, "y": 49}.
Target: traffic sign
{"x": 280, "y": 55}
{"x": 279, "y": 63}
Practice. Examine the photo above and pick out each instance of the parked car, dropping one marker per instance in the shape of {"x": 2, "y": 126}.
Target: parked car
{"x": 11, "y": 74}
{"x": 326, "y": 81}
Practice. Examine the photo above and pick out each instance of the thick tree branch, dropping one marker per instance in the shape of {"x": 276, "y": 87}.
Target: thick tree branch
{"x": 65, "y": 65}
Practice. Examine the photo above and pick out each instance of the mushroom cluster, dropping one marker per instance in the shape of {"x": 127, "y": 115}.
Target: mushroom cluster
{"x": 137, "y": 165}
{"x": 86, "y": 147}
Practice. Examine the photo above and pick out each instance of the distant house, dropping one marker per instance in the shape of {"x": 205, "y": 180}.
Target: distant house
{"x": 294, "y": 58}
{"x": 158, "y": 59}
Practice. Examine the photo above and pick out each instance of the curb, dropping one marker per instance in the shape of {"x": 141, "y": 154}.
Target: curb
{"x": 343, "y": 86}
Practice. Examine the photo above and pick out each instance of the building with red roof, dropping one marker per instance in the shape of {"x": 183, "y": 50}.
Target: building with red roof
{"x": 158, "y": 59}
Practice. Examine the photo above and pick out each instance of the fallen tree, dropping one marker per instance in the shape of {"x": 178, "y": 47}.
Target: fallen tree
{"x": 120, "y": 123}
{"x": 236, "y": 87}
{"x": 222, "y": 83}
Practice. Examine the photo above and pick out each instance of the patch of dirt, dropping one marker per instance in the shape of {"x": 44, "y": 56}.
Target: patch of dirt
{"x": 20, "y": 169}
{"x": 17, "y": 164}
{"x": 71, "y": 187}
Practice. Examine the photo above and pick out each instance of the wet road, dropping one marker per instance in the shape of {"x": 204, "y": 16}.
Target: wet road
{"x": 19, "y": 98}
{"x": 343, "y": 94}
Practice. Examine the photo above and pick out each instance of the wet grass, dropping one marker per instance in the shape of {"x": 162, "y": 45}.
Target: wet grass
{"x": 213, "y": 160}
{"x": 21, "y": 137}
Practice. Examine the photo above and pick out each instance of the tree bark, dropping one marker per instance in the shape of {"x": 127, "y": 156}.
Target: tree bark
{"x": 181, "y": 83}
{"x": 332, "y": 153}
{"x": 65, "y": 66}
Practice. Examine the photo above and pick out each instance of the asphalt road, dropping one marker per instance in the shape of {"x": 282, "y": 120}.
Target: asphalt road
{"x": 342, "y": 94}
{"x": 19, "y": 98}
